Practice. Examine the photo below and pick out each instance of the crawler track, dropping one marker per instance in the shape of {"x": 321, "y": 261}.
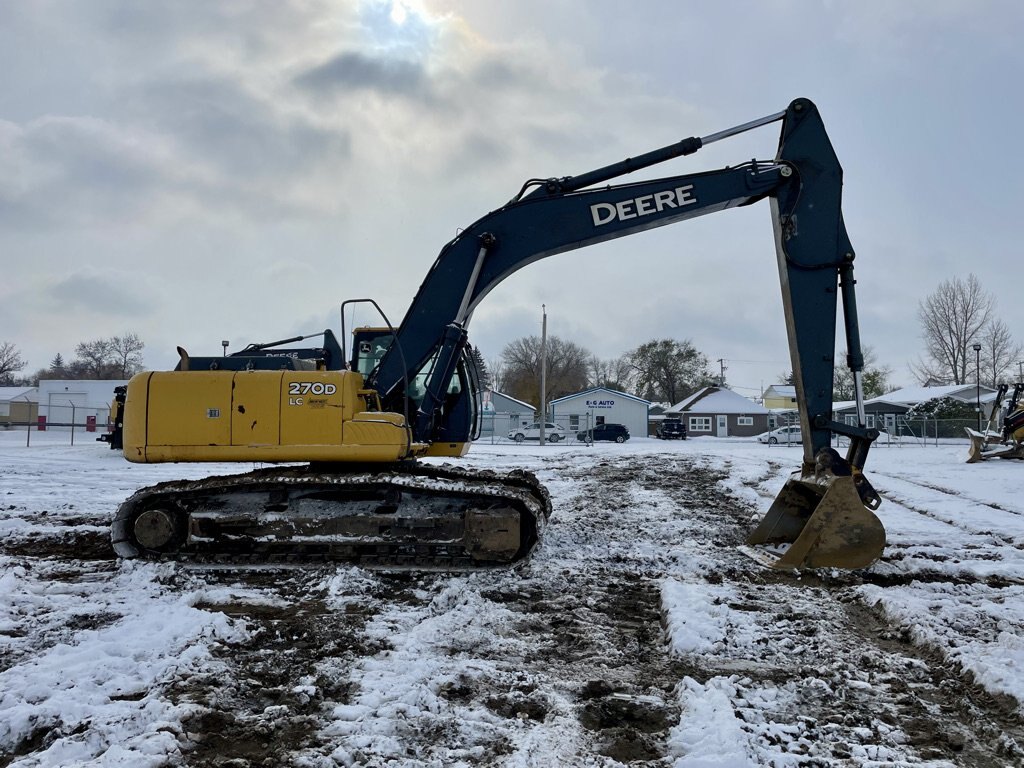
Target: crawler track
{"x": 421, "y": 516}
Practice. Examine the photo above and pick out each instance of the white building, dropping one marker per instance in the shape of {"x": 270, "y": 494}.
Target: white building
{"x": 601, "y": 406}
{"x": 500, "y": 413}
{"x": 61, "y": 400}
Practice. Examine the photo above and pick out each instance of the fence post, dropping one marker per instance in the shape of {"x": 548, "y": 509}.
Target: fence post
{"x": 28, "y": 421}
{"x": 72, "y": 422}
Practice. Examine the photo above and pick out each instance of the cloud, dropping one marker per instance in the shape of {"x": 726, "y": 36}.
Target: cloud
{"x": 262, "y": 160}
{"x": 352, "y": 70}
{"x": 99, "y": 293}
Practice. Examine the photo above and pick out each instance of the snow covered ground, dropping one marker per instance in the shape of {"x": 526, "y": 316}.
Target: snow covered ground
{"x": 636, "y": 634}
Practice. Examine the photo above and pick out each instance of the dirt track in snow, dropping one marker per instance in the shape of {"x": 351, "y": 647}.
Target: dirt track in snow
{"x": 564, "y": 660}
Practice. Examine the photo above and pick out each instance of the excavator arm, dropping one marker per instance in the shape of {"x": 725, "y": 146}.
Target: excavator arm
{"x": 804, "y": 186}
{"x": 823, "y": 512}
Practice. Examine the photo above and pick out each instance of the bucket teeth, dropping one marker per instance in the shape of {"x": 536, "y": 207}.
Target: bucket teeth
{"x": 825, "y": 520}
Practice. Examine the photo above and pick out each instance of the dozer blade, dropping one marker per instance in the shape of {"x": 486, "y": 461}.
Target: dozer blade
{"x": 980, "y": 445}
{"x": 825, "y": 523}
{"x": 990, "y": 446}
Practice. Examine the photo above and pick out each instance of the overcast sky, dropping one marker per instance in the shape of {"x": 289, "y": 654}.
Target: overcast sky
{"x": 194, "y": 172}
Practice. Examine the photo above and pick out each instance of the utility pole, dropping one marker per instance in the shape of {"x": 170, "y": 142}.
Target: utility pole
{"x": 1020, "y": 370}
{"x": 721, "y": 375}
{"x": 543, "y": 369}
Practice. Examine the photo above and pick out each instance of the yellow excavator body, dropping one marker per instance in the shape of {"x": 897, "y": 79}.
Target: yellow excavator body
{"x": 267, "y": 416}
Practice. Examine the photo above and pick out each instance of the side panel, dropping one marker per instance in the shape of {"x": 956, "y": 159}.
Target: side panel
{"x": 189, "y": 408}
{"x": 257, "y": 416}
{"x": 314, "y": 404}
{"x": 134, "y": 418}
{"x": 256, "y": 408}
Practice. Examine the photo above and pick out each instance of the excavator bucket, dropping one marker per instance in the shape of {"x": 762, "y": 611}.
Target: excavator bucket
{"x": 826, "y": 525}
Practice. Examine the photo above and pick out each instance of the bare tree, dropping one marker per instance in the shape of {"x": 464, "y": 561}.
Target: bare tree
{"x": 998, "y": 352}
{"x": 119, "y": 357}
{"x": 952, "y": 321}
{"x": 11, "y": 362}
{"x": 93, "y": 359}
{"x": 126, "y": 354}
{"x": 497, "y": 370}
{"x": 566, "y": 371}
{"x": 617, "y": 373}
{"x": 668, "y": 370}
{"x": 874, "y": 378}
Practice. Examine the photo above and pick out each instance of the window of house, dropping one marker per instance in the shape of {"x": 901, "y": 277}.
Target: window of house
{"x": 574, "y": 421}
{"x": 744, "y": 421}
{"x": 599, "y": 419}
{"x": 700, "y": 423}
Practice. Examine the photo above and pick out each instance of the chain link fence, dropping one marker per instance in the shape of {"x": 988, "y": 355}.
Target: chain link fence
{"x": 497, "y": 427}
{"x": 923, "y": 432}
{"x": 933, "y": 431}
{"x": 82, "y": 421}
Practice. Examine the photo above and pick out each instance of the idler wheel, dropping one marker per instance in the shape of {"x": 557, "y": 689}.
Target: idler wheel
{"x": 156, "y": 528}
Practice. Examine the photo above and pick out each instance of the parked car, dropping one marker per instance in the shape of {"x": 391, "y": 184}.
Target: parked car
{"x": 552, "y": 432}
{"x": 784, "y": 435}
{"x": 616, "y": 432}
{"x": 671, "y": 429}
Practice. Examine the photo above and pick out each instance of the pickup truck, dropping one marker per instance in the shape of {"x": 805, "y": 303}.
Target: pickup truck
{"x": 671, "y": 429}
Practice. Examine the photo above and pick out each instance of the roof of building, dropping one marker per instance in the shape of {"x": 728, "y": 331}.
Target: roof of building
{"x": 509, "y": 397}
{"x": 782, "y": 390}
{"x": 718, "y": 400}
{"x": 19, "y": 393}
{"x": 592, "y": 390}
{"x": 914, "y": 395}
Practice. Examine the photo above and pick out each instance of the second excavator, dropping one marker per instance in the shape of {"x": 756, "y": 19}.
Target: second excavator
{"x": 1006, "y": 443}
{"x": 362, "y": 424}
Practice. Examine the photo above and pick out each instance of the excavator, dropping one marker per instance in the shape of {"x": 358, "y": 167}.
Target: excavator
{"x": 1007, "y": 443}
{"x": 360, "y": 427}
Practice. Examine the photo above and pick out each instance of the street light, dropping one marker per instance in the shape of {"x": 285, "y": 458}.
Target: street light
{"x": 977, "y": 373}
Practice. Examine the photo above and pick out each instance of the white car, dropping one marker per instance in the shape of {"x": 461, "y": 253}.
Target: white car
{"x": 552, "y": 432}
{"x": 786, "y": 435}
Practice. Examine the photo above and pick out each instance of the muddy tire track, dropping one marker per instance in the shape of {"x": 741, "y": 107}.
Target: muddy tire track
{"x": 269, "y": 705}
{"x": 883, "y": 688}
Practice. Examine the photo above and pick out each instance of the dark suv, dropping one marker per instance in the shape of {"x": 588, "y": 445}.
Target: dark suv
{"x": 671, "y": 429}
{"x": 616, "y": 432}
